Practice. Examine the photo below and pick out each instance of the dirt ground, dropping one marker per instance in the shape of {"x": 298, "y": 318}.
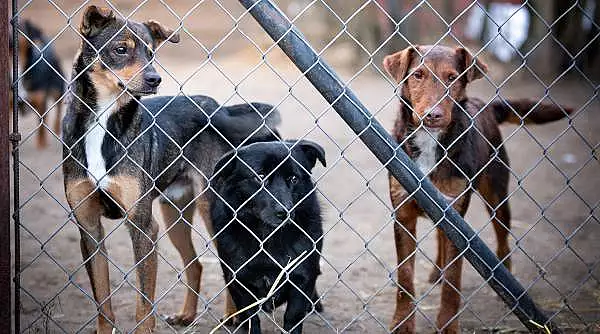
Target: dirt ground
{"x": 554, "y": 197}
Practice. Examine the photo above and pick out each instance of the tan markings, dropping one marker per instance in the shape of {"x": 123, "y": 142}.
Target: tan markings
{"x": 130, "y": 73}
{"x": 38, "y": 102}
{"x": 87, "y": 209}
{"x": 125, "y": 190}
{"x": 83, "y": 199}
{"x": 59, "y": 109}
{"x": 204, "y": 211}
{"x": 404, "y": 237}
{"x": 501, "y": 214}
{"x": 454, "y": 192}
{"x": 146, "y": 281}
{"x": 179, "y": 233}
{"x": 398, "y": 194}
{"x": 107, "y": 85}
{"x": 130, "y": 42}
{"x": 24, "y": 46}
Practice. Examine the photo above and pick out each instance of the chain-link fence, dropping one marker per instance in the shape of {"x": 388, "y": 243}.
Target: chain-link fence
{"x": 197, "y": 209}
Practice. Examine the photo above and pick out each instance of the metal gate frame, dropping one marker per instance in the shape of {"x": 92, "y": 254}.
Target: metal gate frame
{"x": 5, "y": 256}
{"x": 392, "y": 156}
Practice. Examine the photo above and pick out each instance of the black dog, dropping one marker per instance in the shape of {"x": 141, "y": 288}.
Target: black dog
{"x": 43, "y": 77}
{"x": 265, "y": 194}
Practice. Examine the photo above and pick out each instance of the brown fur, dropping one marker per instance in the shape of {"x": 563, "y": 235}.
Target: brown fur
{"x": 433, "y": 82}
{"x": 87, "y": 208}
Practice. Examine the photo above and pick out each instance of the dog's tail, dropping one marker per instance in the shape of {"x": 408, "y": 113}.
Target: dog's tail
{"x": 528, "y": 111}
{"x": 248, "y": 123}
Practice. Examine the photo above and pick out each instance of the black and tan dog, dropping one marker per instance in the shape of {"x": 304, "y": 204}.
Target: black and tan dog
{"x": 265, "y": 214}
{"x": 120, "y": 153}
{"x": 43, "y": 79}
{"x": 456, "y": 142}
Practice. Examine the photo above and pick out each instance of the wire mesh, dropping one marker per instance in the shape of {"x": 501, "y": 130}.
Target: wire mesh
{"x": 543, "y": 51}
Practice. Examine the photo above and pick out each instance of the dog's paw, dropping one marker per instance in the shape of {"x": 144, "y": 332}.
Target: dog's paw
{"x": 179, "y": 319}
{"x": 232, "y": 322}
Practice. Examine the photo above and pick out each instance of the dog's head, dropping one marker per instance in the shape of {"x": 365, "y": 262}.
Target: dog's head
{"x": 433, "y": 79}
{"x": 118, "y": 54}
{"x": 267, "y": 181}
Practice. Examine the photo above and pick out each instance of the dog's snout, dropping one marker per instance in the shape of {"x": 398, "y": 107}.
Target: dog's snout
{"x": 435, "y": 113}
{"x": 153, "y": 79}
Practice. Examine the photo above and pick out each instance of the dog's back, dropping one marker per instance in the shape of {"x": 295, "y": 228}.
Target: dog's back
{"x": 43, "y": 69}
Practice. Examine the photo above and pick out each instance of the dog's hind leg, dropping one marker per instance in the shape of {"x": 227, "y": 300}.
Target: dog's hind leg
{"x": 38, "y": 101}
{"x": 87, "y": 210}
{"x": 178, "y": 221}
{"x": 59, "y": 108}
{"x": 439, "y": 259}
{"x": 494, "y": 189}
{"x": 204, "y": 211}
{"x": 447, "y": 319}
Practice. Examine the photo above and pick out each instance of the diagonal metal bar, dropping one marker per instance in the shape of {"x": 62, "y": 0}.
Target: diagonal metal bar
{"x": 381, "y": 144}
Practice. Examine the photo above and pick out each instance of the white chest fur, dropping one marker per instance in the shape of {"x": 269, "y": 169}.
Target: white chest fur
{"x": 426, "y": 141}
{"x": 93, "y": 143}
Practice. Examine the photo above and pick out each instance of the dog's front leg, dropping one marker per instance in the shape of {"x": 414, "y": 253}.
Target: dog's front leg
{"x": 447, "y": 320}
{"x": 298, "y": 305}
{"x": 404, "y": 236}
{"x": 87, "y": 210}
{"x": 143, "y": 230}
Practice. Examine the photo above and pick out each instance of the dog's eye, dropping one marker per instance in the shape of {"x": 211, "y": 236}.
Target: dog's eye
{"x": 293, "y": 179}
{"x": 418, "y": 75}
{"x": 121, "y": 50}
{"x": 260, "y": 178}
{"x": 451, "y": 77}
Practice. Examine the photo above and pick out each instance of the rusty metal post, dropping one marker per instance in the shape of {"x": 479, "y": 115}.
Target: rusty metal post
{"x": 5, "y": 257}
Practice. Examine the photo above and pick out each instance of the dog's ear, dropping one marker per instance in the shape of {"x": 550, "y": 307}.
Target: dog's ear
{"x": 475, "y": 69}
{"x": 312, "y": 151}
{"x": 95, "y": 19}
{"x": 161, "y": 33}
{"x": 226, "y": 164}
{"x": 397, "y": 64}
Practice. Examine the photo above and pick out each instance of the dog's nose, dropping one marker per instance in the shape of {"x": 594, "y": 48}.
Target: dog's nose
{"x": 153, "y": 79}
{"x": 435, "y": 114}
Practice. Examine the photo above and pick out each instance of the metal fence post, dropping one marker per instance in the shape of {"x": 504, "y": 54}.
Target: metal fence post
{"x": 381, "y": 144}
{"x": 5, "y": 257}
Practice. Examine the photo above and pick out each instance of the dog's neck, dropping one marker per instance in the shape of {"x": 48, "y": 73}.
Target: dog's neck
{"x": 102, "y": 116}
{"x": 420, "y": 143}
{"x": 427, "y": 146}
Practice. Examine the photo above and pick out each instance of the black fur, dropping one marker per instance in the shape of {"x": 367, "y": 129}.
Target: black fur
{"x": 43, "y": 74}
{"x": 283, "y": 168}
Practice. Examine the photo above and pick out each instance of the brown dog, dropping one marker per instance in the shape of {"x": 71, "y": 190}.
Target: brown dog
{"x": 456, "y": 142}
